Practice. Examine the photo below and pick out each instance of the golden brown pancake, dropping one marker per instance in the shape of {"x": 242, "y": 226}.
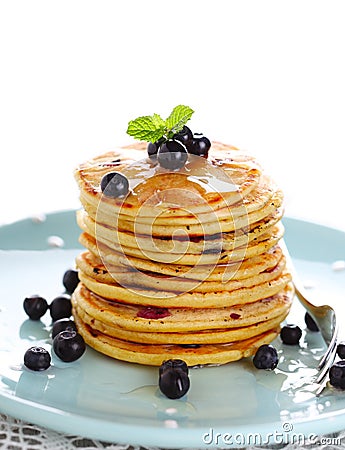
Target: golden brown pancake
{"x": 222, "y": 180}
{"x": 154, "y": 355}
{"x": 157, "y": 319}
{"x": 217, "y": 336}
{"x": 214, "y": 243}
{"x": 245, "y": 275}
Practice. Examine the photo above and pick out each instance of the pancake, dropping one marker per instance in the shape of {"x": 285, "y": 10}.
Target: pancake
{"x": 244, "y": 276}
{"x": 154, "y": 355}
{"x": 217, "y": 336}
{"x": 173, "y": 245}
{"x": 138, "y": 281}
{"x": 214, "y": 224}
{"x": 202, "y": 229}
{"x": 131, "y": 316}
{"x": 137, "y": 295}
{"x": 114, "y": 254}
{"x": 254, "y": 201}
{"x": 222, "y": 180}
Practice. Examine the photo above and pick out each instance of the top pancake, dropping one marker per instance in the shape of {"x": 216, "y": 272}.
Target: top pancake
{"x": 203, "y": 186}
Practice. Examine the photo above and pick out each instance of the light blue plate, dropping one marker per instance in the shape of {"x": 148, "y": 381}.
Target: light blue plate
{"x": 97, "y": 397}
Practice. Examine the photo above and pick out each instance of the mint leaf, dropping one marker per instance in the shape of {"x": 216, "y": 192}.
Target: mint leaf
{"x": 152, "y": 128}
{"x": 158, "y": 121}
{"x": 147, "y": 128}
{"x": 178, "y": 118}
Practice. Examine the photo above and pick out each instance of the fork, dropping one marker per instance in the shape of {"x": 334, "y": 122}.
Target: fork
{"x": 324, "y": 317}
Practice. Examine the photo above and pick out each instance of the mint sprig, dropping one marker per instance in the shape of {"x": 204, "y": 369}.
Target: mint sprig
{"x": 147, "y": 128}
{"x": 152, "y": 128}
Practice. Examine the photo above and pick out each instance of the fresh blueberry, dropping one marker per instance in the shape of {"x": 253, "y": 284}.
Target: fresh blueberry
{"x": 153, "y": 147}
{"x": 310, "y": 322}
{"x": 114, "y": 184}
{"x": 174, "y": 383}
{"x": 64, "y": 324}
{"x": 341, "y": 350}
{"x": 337, "y": 375}
{"x": 291, "y": 334}
{"x": 61, "y": 307}
{"x": 172, "y": 155}
{"x": 70, "y": 280}
{"x": 69, "y": 346}
{"x": 200, "y": 145}
{"x": 185, "y": 136}
{"x": 173, "y": 364}
{"x": 37, "y": 358}
{"x": 35, "y": 306}
{"x": 266, "y": 357}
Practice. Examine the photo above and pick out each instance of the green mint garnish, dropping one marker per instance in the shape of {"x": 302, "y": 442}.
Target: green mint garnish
{"x": 147, "y": 128}
{"x": 153, "y": 128}
{"x": 178, "y": 118}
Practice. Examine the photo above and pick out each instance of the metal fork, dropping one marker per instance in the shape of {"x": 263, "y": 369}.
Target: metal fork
{"x": 324, "y": 317}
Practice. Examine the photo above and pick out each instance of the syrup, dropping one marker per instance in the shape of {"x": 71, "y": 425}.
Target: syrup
{"x": 197, "y": 171}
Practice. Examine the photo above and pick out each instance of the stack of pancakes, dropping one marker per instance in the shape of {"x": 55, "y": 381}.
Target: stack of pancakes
{"x": 187, "y": 265}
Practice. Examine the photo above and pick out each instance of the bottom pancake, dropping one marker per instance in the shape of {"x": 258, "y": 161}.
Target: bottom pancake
{"x": 154, "y": 354}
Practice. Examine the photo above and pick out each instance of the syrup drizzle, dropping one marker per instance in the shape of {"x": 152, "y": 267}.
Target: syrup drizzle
{"x": 197, "y": 170}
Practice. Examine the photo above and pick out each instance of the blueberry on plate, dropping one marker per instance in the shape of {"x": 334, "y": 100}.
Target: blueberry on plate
{"x": 69, "y": 346}
{"x": 61, "y": 307}
{"x": 172, "y": 155}
{"x": 337, "y": 375}
{"x": 173, "y": 364}
{"x": 114, "y": 184}
{"x": 174, "y": 383}
{"x": 70, "y": 280}
{"x": 64, "y": 324}
{"x": 266, "y": 357}
{"x": 35, "y": 306}
{"x": 290, "y": 334}
{"x": 37, "y": 358}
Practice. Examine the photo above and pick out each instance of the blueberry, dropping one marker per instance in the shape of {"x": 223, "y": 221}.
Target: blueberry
{"x": 200, "y": 145}
{"x": 174, "y": 383}
{"x": 37, "y": 358}
{"x": 114, "y": 184}
{"x": 291, "y": 334}
{"x": 70, "y": 280}
{"x": 173, "y": 364}
{"x": 341, "y": 350}
{"x": 153, "y": 147}
{"x": 69, "y": 346}
{"x": 172, "y": 155}
{"x": 61, "y": 307}
{"x": 64, "y": 324}
{"x": 185, "y": 136}
{"x": 266, "y": 357}
{"x": 310, "y": 322}
{"x": 35, "y": 306}
{"x": 337, "y": 375}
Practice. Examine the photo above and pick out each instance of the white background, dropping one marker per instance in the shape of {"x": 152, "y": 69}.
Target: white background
{"x": 267, "y": 76}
